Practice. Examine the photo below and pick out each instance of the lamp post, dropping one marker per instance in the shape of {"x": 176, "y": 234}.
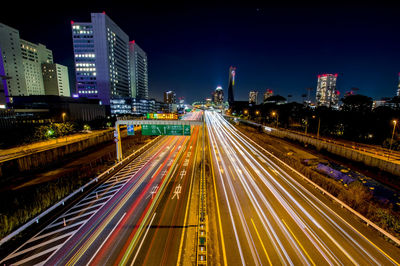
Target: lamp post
{"x": 277, "y": 117}
{"x": 305, "y": 131}
{"x": 63, "y": 117}
{"x": 391, "y": 141}
{"x": 319, "y": 124}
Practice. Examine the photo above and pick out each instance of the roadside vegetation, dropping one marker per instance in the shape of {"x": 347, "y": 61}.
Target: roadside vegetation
{"x": 355, "y": 194}
{"x": 23, "y": 134}
{"x": 356, "y": 120}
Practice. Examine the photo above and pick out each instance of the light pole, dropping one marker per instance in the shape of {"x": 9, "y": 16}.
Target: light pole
{"x": 277, "y": 117}
{"x": 391, "y": 141}
{"x": 63, "y": 117}
{"x": 319, "y": 124}
{"x": 305, "y": 131}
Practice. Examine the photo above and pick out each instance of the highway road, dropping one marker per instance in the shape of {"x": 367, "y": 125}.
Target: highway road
{"x": 266, "y": 214}
{"x": 139, "y": 216}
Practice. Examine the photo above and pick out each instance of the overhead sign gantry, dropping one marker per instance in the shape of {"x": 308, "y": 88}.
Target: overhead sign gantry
{"x": 153, "y": 127}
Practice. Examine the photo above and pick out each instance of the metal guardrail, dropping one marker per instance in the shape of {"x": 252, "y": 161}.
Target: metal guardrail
{"x": 61, "y": 202}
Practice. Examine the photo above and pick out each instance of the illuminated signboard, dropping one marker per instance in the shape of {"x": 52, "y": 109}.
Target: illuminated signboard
{"x": 162, "y": 116}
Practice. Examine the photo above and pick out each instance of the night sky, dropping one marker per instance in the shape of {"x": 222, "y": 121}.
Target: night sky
{"x": 191, "y": 49}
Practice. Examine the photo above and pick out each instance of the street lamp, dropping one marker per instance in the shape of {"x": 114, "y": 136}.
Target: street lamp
{"x": 277, "y": 117}
{"x": 391, "y": 141}
{"x": 319, "y": 124}
{"x": 245, "y": 111}
{"x": 63, "y": 117}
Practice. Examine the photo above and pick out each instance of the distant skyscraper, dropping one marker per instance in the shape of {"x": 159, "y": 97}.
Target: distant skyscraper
{"x": 268, "y": 93}
{"x": 253, "y": 97}
{"x": 11, "y": 62}
{"x": 101, "y": 53}
{"x": 218, "y": 95}
{"x": 55, "y": 79}
{"x": 169, "y": 97}
{"x": 138, "y": 71}
{"x": 232, "y": 73}
{"x": 327, "y": 95}
{"x": 398, "y": 87}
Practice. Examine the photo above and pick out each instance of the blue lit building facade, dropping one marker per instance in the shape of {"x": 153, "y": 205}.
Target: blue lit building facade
{"x": 101, "y": 54}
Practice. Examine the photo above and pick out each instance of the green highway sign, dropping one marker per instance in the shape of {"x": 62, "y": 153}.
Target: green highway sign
{"x": 169, "y": 130}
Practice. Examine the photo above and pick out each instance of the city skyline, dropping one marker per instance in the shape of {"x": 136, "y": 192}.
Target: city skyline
{"x": 265, "y": 44}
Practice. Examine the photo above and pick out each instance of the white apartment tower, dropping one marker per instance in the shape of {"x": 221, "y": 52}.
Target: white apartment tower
{"x": 55, "y": 79}
{"x": 33, "y": 56}
{"x": 11, "y": 66}
{"x": 138, "y": 71}
{"x": 101, "y": 53}
{"x": 326, "y": 94}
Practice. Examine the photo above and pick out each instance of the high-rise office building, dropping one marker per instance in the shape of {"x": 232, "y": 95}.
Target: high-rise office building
{"x": 55, "y": 79}
{"x": 101, "y": 53}
{"x": 268, "y": 93}
{"x": 398, "y": 87}
{"x": 33, "y": 56}
{"x": 11, "y": 65}
{"x": 138, "y": 71}
{"x": 170, "y": 97}
{"x": 253, "y": 97}
{"x": 231, "y": 84}
{"x": 327, "y": 95}
{"x": 218, "y": 96}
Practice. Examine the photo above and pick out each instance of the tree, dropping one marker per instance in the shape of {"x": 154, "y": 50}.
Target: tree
{"x": 277, "y": 99}
{"x": 357, "y": 103}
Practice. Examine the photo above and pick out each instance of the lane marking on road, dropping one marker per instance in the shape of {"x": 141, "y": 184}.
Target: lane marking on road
{"x": 153, "y": 191}
{"x": 144, "y": 237}
{"x": 50, "y": 250}
{"x": 108, "y": 236}
{"x": 177, "y": 191}
{"x": 57, "y": 231}
{"x": 230, "y": 169}
{"x": 262, "y": 244}
{"x": 187, "y": 206}
{"x": 23, "y": 251}
{"x": 298, "y": 242}
{"x": 218, "y": 211}
{"x": 183, "y": 173}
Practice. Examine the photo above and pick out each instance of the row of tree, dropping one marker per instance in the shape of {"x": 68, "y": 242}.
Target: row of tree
{"x": 355, "y": 121}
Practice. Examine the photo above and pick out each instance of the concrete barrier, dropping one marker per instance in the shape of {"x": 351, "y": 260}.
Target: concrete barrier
{"x": 346, "y": 152}
{"x": 49, "y": 156}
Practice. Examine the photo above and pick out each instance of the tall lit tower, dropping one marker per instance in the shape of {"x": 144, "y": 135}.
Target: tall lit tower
{"x": 218, "y": 96}
{"x": 101, "y": 51}
{"x": 327, "y": 95}
{"x": 398, "y": 87}
{"x": 138, "y": 71}
{"x": 232, "y": 73}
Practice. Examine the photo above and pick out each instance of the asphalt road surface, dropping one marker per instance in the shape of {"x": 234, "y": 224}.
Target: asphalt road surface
{"x": 139, "y": 216}
{"x": 267, "y": 215}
